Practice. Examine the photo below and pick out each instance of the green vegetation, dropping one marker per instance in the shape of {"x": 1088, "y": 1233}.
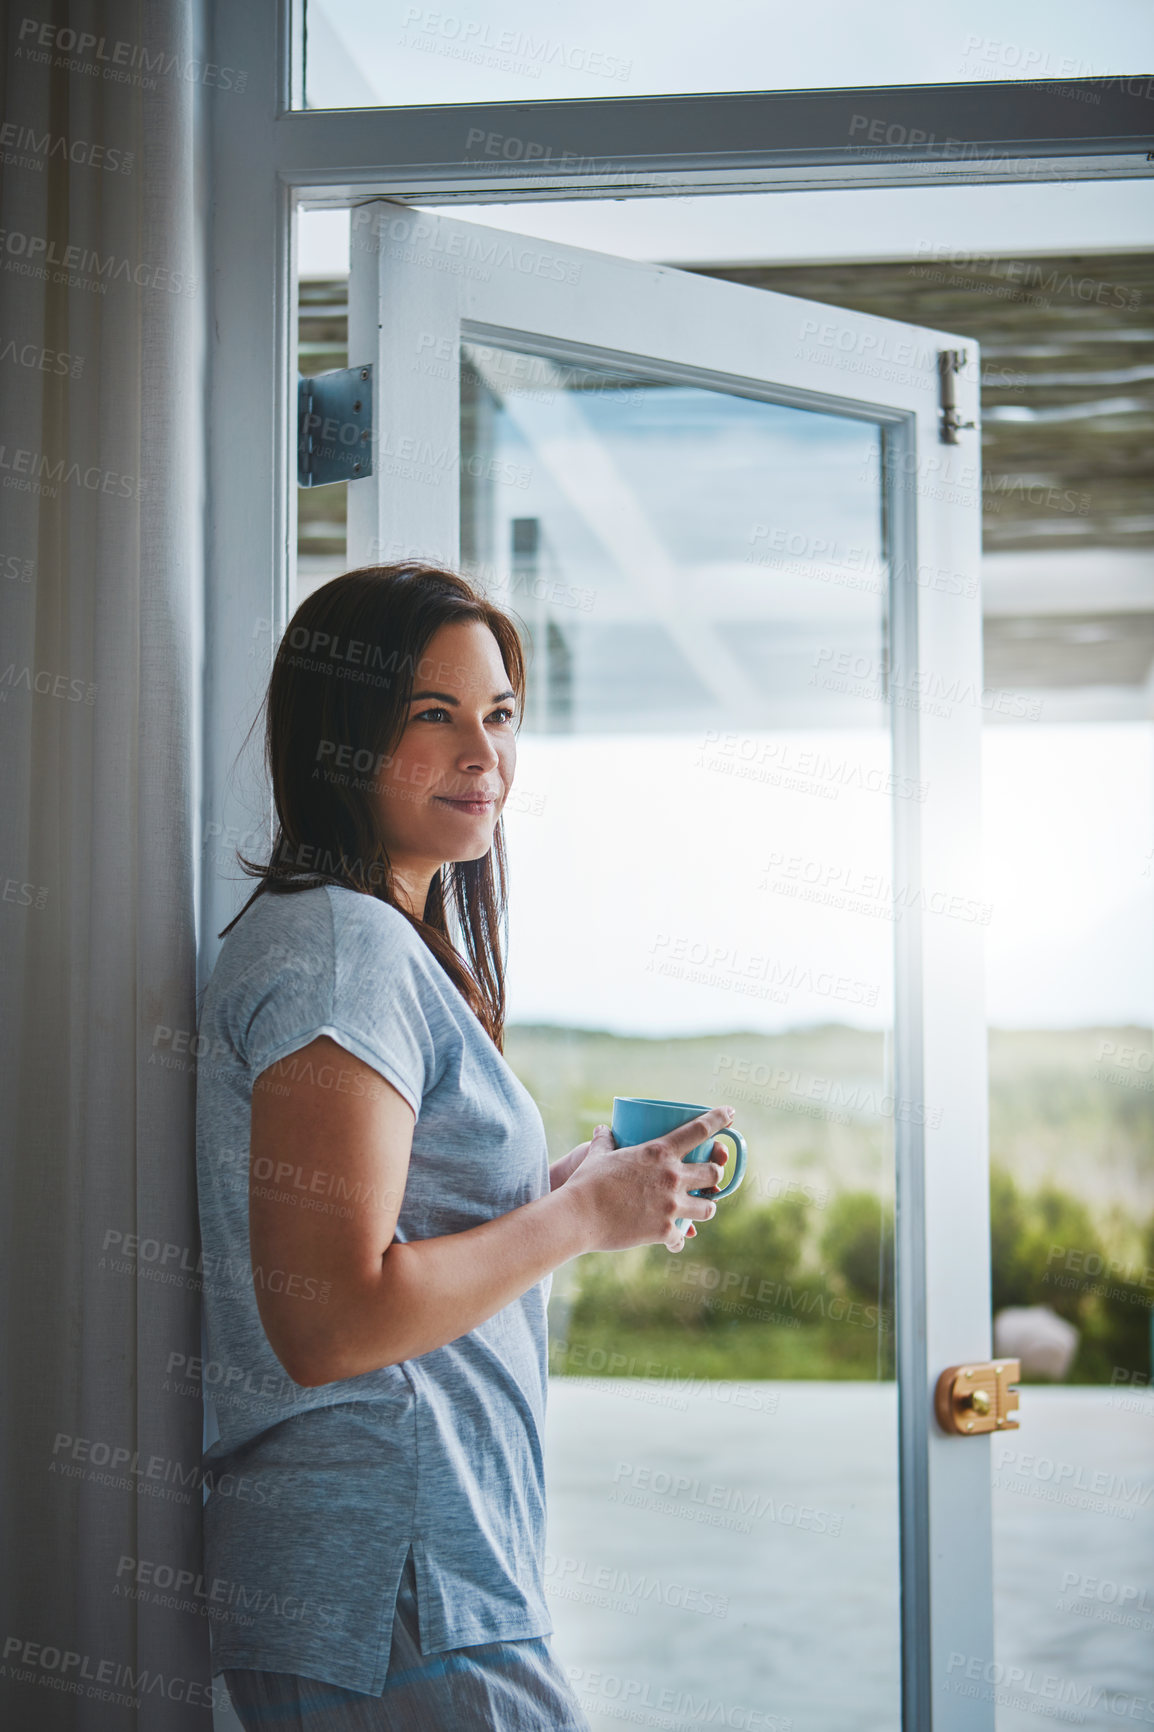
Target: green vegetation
{"x": 793, "y": 1278}
{"x": 763, "y": 1292}
{"x": 1046, "y": 1250}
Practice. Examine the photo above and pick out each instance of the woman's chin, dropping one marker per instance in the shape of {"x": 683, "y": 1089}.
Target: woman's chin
{"x": 458, "y": 849}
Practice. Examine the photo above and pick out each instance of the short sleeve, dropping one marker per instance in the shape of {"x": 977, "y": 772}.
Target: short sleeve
{"x": 346, "y": 966}
{"x": 385, "y": 998}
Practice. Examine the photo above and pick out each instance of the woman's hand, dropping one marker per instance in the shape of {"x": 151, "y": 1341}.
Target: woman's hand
{"x": 563, "y": 1170}
{"x": 632, "y": 1196}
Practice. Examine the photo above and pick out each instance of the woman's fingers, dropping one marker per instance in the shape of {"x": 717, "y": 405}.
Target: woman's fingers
{"x": 718, "y": 1157}
{"x": 712, "y": 1172}
{"x": 699, "y": 1130}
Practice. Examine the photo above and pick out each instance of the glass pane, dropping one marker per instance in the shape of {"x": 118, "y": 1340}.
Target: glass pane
{"x": 700, "y": 910}
{"x": 362, "y": 54}
{"x": 1069, "y": 844}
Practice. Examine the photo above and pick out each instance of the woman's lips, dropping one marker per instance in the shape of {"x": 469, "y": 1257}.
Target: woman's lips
{"x": 480, "y": 806}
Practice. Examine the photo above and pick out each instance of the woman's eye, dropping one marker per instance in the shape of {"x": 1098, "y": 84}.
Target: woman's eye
{"x": 439, "y": 710}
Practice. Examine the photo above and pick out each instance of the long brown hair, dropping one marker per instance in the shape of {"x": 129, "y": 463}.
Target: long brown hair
{"x": 339, "y": 690}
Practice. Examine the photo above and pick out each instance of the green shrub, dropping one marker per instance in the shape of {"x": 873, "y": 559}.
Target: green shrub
{"x": 857, "y": 1244}
{"x": 1046, "y": 1250}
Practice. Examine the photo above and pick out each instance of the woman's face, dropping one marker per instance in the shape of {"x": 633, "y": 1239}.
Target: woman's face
{"x": 441, "y": 791}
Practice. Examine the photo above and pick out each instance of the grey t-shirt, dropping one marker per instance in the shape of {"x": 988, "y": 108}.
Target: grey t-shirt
{"x": 317, "y": 1494}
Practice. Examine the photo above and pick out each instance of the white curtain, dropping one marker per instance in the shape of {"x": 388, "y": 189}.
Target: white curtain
{"x": 101, "y": 442}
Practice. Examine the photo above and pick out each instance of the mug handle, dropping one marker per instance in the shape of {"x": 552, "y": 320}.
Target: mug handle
{"x": 738, "y": 1173}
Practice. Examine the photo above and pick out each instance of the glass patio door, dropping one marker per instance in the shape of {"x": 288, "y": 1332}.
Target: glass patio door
{"x": 743, "y": 868}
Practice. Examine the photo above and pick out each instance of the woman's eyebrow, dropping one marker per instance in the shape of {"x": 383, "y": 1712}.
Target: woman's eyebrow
{"x": 447, "y": 697}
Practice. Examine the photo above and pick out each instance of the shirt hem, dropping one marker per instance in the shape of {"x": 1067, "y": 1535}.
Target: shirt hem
{"x": 451, "y": 1642}
{"x": 369, "y": 1680}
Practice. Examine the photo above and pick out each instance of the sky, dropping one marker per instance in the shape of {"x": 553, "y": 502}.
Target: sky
{"x": 785, "y": 227}
{"x": 621, "y": 919}
{"x": 360, "y": 52}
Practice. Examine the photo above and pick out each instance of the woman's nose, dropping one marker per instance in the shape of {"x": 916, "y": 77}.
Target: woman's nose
{"x": 480, "y": 753}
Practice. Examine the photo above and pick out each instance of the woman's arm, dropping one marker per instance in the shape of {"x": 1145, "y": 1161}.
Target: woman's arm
{"x": 329, "y": 1156}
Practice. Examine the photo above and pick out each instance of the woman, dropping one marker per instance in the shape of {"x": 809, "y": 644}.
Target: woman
{"x": 379, "y": 1218}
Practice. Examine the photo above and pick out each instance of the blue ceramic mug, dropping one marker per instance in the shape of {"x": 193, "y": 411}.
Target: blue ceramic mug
{"x": 636, "y": 1121}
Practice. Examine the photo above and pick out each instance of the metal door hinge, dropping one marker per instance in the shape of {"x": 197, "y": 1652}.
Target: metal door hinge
{"x": 335, "y": 426}
{"x": 950, "y": 361}
{"x": 978, "y": 1397}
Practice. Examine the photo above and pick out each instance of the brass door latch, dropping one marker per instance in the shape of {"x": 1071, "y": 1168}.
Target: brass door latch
{"x": 972, "y": 1398}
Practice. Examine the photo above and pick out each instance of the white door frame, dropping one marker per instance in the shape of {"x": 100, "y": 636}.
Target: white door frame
{"x": 267, "y": 160}
{"x": 421, "y": 278}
